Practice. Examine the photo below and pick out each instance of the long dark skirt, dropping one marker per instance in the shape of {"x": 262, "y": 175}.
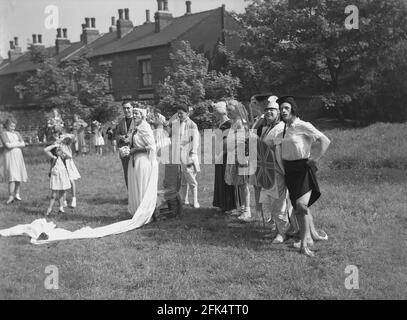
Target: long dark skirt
{"x": 300, "y": 178}
{"x": 223, "y": 194}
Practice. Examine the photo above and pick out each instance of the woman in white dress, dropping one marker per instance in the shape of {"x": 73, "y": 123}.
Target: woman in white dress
{"x": 14, "y": 168}
{"x": 143, "y": 166}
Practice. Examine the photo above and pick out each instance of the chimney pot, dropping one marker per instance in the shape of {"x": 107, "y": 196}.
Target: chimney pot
{"x": 65, "y": 30}
{"x": 93, "y": 22}
{"x": 188, "y": 4}
{"x": 87, "y": 22}
{"x": 16, "y": 41}
{"x": 58, "y": 32}
{"x": 148, "y": 16}
{"x": 113, "y": 21}
{"x": 165, "y": 5}
{"x": 120, "y": 14}
{"x": 39, "y": 38}
{"x": 34, "y": 38}
{"x": 160, "y": 5}
{"x": 126, "y": 14}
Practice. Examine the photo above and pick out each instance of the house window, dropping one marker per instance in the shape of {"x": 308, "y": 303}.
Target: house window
{"x": 73, "y": 82}
{"x": 107, "y": 68}
{"x": 145, "y": 73}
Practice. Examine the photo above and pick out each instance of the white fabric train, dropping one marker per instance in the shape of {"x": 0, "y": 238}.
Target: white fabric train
{"x": 142, "y": 216}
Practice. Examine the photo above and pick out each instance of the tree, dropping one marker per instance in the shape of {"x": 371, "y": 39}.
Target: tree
{"x": 190, "y": 83}
{"x": 307, "y": 49}
{"x": 72, "y": 86}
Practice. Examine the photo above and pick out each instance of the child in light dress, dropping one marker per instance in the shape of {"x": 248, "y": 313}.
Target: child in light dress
{"x": 59, "y": 177}
{"x": 98, "y": 139}
{"x": 73, "y": 172}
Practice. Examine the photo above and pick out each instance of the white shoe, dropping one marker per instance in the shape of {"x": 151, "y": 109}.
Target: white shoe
{"x": 73, "y": 203}
{"x": 245, "y": 216}
{"x": 279, "y": 239}
{"x": 17, "y": 197}
{"x": 65, "y": 203}
{"x": 196, "y": 205}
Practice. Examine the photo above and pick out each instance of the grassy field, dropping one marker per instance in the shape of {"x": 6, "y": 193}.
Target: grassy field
{"x": 204, "y": 255}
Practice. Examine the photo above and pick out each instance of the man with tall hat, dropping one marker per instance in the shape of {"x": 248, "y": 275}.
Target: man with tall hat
{"x": 124, "y": 130}
{"x": 185, "y": 142}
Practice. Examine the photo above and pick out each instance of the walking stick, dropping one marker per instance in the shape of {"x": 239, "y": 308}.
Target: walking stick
{"x": 262, "y": 216}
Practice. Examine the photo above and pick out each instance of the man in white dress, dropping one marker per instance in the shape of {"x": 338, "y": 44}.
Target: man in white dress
{"x": 185, "y": 141}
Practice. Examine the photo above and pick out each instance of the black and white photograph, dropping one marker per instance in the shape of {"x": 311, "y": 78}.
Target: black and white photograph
{"x": 222, "y": 150}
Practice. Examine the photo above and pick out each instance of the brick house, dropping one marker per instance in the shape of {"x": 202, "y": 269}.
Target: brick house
{"x": 136, "y": 55}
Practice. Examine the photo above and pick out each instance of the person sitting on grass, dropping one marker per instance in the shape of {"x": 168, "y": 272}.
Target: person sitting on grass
{"x": 59, "y": 177}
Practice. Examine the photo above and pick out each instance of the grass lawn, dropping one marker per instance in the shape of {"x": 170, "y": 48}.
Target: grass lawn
{"x": 204, "y": 255}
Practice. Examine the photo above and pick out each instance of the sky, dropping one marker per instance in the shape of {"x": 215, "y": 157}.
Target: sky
{"x": 22, "y": 18}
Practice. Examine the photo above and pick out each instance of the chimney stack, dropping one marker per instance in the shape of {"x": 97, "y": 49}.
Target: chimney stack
{"x": 61, "y": 42}
{"x": 89, "y": 34}
{"x": 34, "y": 39}
{"x": 123, "y": 26}
{"x": 15, "y": 50}
{"x": 188, "y": 4}
{"x": 148, "y": 20}
{"x": 39, "y": 38}
{"x": 93, "y": 22}
{"x": 160, "y": 5}
{"x": 112, "y": 28}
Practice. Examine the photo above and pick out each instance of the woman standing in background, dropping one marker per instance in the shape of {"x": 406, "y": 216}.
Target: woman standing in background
{"x": 223, "y": 194}
{"x": 98, "y": 140}
{"x": 78, "y": 128}
{"x": 14, "y": 166}
{"x": 237, "y": 173}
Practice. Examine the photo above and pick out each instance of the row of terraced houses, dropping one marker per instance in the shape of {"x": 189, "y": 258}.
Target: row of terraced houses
{"x": 136, "y": 54}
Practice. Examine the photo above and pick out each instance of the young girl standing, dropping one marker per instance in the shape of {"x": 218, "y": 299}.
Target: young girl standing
{"x": 14, "y": 167}
{"x": 59, "y": 177}
{"x": 73, "y": 172}
{"x": 98, "y": 140}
